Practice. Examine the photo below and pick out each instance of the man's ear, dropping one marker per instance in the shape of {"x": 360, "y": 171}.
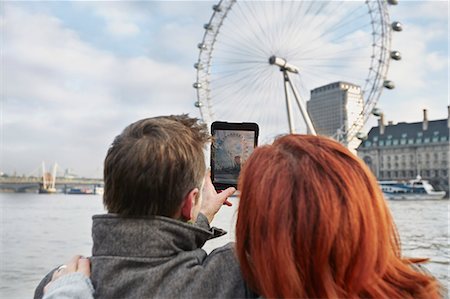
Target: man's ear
{"x": 189, "y": 203}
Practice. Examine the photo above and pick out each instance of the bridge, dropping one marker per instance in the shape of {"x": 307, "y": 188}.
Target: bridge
{"x": 30, "y": 184}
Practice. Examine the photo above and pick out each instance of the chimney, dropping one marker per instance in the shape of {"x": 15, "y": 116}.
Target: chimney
{"x": 425, "y": 120}
{"x": 381, "y": 123}
{"x": 448, "y": 117}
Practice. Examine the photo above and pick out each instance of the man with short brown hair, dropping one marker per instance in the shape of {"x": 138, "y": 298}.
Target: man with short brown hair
{"x": 160, "y": 203}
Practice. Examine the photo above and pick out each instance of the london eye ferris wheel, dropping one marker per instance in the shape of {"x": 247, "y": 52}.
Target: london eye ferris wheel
{"x": 259, "y": 60}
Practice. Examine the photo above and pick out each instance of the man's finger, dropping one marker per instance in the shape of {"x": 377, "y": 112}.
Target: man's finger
{"x": 84, "y": 266}
{"x": 226, "y": 193}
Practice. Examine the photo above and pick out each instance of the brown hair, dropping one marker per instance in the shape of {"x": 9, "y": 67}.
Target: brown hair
{"x": 313, "y": 223}
{"x": 153, "y": 164}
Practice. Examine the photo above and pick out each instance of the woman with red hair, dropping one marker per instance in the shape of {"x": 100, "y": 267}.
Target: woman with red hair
{"x": 313, "y": 223}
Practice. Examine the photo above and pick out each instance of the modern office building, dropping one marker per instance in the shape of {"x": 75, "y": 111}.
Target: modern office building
{"x": 335, "y": 107}
{"x": 405, "y": 150}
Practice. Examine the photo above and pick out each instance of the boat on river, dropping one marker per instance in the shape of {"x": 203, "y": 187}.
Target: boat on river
{"x": 97, "y": 190}
{"x": 416, "y": 189}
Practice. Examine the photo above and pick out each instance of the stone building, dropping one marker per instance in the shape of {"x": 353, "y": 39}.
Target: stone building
{"x": 334, "y": 108}
{"x": 405, "y": 150}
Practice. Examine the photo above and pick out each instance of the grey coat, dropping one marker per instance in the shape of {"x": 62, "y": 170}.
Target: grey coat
{"x": 160, "y": 257}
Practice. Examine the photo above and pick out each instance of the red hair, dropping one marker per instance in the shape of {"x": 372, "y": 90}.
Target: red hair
{"x": 313, "y": 223}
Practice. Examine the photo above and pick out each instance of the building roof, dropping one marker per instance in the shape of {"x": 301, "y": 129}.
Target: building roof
{"x": 333, "y": 85}
{"x": 408, "y": 134}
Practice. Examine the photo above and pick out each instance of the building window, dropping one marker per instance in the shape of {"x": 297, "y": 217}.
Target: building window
{"x": 410, "y": 141}
{"x": 435, "y": 138}
{"x": 388, "y": 142}
{"x": 443, "y": 138}
{"x": 426, "y": 140}
{"x": 368, "y": 143}
{"x": 389, "y": 137}
{"x": 395, "y": 142}
{"x": 403, "y": 141}
{"x": 375, "y": 138}
{"x": 381, "y": 143}
{"x": 388, "y": 174}
{"x": 444, "y": 173}
{"x": 418, "y": 140}
{"x": 404, "y": 135}
{"x": 411, "y": 174}
{"x": 435, "y": 133}
{"x": 419, "y": 134}
{"x": 396, "y": 174}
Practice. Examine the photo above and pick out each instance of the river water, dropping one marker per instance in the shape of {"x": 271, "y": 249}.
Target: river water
{"x": 41, "y": 231}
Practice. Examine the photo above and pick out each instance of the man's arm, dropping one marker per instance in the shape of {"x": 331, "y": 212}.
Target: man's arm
{"x": 67, "y": 281}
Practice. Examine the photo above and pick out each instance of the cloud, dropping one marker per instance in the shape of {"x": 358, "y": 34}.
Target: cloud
{"x": 65, "y": 99}
{"x": 121, "y": 19}
{"x": 421, "y": 75}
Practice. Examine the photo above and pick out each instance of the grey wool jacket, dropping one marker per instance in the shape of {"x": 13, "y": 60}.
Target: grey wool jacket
{"x": 159, "y": 257}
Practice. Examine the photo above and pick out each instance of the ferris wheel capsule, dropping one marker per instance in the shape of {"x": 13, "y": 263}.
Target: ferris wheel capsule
{"x": 202, "y": 46}
{"x": 207, "y": 26}
{"x": 198, "y": 66}
{"x": 396, "y": 55}
{"x": 198, "y": 104}
{"x": 197, "y": 85}
{"x": 392, "y": 2}
{"x": 389, "y": 84}
{"x": 361, "y": 136}
{"x": 377, "y": 111}
{"x": 397, "y": 26}
{"x": 216, "y": 8}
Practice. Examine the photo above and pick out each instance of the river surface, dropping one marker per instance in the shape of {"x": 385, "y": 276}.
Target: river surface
{"x": 40, "y": 231}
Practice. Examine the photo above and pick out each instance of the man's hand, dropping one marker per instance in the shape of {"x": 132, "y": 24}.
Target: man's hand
{"x": 213, "y": 201}
{"x": 76, "y": 264}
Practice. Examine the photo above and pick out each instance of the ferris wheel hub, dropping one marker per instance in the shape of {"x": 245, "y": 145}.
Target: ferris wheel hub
{"x": 283, "y": 64}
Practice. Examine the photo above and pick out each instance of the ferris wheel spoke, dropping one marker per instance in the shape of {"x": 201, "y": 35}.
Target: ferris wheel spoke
{"x": 254, "y": 49}
{"x": 332, "y": 56}
{"x": 320, "y": 75}
{"x": 236, "y": 90}
{"x": 345, "y": 21}
{"x": 233, "y": 74}
{"x": 238, "y": 35}
{"x": 320, "y": 38}
{"x": 229, "y": 91}
{"x": 336, "y": 8}
{"x": 262, "y": 38}
{"x": 336, "y": 27}
{"x": 227, "y": 61}
{"x": 242, "y": 54}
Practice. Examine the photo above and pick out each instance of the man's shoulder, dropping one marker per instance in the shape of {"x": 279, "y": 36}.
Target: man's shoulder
{"x": 224, "y": 255}
{"x": 227, "y": 249}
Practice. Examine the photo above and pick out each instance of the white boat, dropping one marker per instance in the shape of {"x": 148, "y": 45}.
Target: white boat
{"x": 417, "y": 189}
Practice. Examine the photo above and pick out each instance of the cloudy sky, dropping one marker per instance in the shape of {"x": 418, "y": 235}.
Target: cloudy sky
{"x": 74, "y": 74}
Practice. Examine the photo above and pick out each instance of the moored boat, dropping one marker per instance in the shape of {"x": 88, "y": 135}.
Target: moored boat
{"x": 416, "y": 189}
{"x": 80, "y": 191}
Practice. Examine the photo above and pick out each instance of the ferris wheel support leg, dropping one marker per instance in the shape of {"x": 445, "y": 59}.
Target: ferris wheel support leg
{"x": 288, "y": 103}
{"x": 302, "y": 108}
